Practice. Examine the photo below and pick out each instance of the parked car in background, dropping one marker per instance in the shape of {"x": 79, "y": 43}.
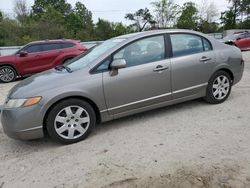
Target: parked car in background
{"x": 122, "y": 76}
{"x": 240, "y": 40}
{"x": 38, "y": 56}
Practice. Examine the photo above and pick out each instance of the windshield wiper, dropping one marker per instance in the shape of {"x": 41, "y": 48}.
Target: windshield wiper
{"x": 61, "y": 67}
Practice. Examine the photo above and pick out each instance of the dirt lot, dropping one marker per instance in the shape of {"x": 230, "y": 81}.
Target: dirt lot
{"x": 187, "y": 145}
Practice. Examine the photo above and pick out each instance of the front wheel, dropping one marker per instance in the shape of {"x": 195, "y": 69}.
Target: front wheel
{"x": 7, "y": 74}
{"x": 70, "y": 121}
{"x": 219, "y": 88}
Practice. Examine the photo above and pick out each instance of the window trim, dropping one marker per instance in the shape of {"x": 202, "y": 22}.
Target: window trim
{"x": 58, "y": 43}
{"x": 62, "y": 43}
{"x": 202, "y": 37}
{"x": 167, "y": 52}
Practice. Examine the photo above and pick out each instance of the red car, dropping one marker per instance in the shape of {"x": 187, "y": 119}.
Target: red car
{"x": 37, "y": 57}
{"x": 240, "y": 40}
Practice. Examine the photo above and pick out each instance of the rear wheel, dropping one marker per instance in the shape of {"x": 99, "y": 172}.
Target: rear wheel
{"x": 70, "y": 121}
{"x": 7, "y": 74}
{"x": 219, "y": 88}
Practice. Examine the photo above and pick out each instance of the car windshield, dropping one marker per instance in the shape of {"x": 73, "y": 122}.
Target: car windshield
{"x": 87, "y": 58}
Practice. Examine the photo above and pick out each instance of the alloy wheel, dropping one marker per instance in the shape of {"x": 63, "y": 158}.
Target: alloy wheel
{"x": 72, "y": 122}
{"x": 6, "y": 74}
{"x": 221, "y": 87}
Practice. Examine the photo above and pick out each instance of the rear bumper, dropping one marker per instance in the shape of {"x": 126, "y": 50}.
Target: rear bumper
{"x": 22, "y": 123}
{"x": 238, "y": 76}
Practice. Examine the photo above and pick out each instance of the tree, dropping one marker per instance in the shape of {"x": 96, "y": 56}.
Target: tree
{"x": 141, "y": 19}
{"x": 208, "y": 11}
{"x": 245, "y": 9}
{"x": 40, "y": 6}
{"x": 208, "y": 27}
{"x": 1, "y": 16}
{"x": 103, "y": 30}
{"x": 208, "y": 14}
{"x": 52, "y": 21}
{"x": 227, "y": 19}
{"x": 79, "y": 22}
{"x": 21, "y": 10}
{"x": 166, "y": 13}
{"x": 235, "y": 11}
{"x": 120, "y": 29}
{"x": 189, "y": 17}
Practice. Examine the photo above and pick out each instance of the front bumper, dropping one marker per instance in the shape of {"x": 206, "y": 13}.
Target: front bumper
{"x": 22, "y": 123}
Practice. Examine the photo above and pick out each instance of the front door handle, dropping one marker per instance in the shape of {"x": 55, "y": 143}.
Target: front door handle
{"x": 204, "y": 59}
{"x": 160, "y": 68}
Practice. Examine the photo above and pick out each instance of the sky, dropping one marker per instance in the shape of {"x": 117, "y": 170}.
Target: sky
{"x": 112, "y": 10}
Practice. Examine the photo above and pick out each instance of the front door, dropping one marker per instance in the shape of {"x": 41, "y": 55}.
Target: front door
{"x": 30, "y": 63}
{"x": 144, "y": 82}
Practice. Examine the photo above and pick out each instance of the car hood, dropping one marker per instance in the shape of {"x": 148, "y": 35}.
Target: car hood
{"x": 7, "y": 58}
{"x": 45, "y": 81}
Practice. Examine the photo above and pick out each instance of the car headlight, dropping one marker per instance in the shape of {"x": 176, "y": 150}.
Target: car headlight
{"x": 16, "y": 103}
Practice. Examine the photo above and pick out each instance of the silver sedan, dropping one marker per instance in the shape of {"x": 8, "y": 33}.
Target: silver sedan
{"x": 122, "y": 76}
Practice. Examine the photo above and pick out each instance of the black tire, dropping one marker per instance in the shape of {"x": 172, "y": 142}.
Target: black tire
{"x": 7, "y": 74}
{"x": 211, "y": 91}
{"x": 51, "y": 123}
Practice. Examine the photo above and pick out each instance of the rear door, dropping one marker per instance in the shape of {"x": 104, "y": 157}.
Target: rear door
{"x": 50, "y": 53}
{"x": 144, "y": 82}
{"x": 192, "y": 63}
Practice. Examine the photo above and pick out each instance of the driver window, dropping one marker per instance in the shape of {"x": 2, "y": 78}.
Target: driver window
{"x": 33, "y": 49}
{"x": 143, "y": 51}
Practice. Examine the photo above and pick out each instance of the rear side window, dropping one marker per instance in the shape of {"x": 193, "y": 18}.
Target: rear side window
{"x": 68, "y": 45}
{"x": 207, "y": 45}
{"x": 187, "y": 44}
{"x": 33, "y": 49}
{"x": 49, "y": 47}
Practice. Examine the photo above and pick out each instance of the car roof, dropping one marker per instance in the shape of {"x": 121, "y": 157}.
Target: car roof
{"x": 53, "y": 41}
{"x": 155, "y": 32}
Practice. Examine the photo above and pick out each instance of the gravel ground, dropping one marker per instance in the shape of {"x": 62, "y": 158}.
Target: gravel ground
{"x": 193, "y": 144}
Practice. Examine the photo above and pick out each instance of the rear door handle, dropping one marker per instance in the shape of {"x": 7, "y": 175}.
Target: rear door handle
{"x": 204, "y": 58}
{"x": 160, "y": 68}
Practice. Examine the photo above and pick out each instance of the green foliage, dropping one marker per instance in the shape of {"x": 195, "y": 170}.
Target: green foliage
{"x": 1, "y": 16}
{"x": 55, "y": 19}
{"x": 141, "y": 19}
{"x": 237, "y": 16}
{"x": 105, "y": 30}
{"x": 189, "y": 17}
{"x": 207, "y": 27}
{"x": 41, "y": 6}
{"x": 9, "y": 32}
{"x": 228, "y": 19}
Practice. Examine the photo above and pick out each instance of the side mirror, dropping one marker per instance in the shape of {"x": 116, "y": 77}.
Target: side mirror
{"x": 238, "y": 38}
{"x": 23, "y": 54}
{"x": 118, "y": 64}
